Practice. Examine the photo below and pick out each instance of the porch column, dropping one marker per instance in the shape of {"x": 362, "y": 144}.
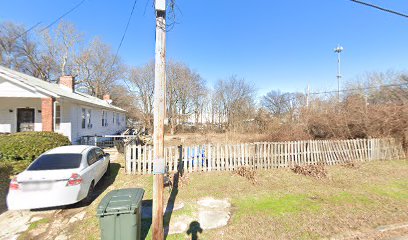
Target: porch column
{"x": 47, "y": 112}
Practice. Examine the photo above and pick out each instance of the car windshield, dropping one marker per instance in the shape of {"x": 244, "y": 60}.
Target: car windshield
{"x": 56, "y": 161}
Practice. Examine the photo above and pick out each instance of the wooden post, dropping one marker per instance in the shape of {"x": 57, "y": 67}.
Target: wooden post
{"x": 158, "y": 120}
{"x": 134, "y": 150}
{"x": 127, "y": 157}
{"x": 139, "y": 159}
{"x": 264, "y": 148}
{"x": 234, "y": 157}
{"x": 200, "y": 159}
{"x": 226, "y": 157}
{"x": 218, "y": 157}
{"x": 185, "y": 159}
{"x": 209, "y": 158}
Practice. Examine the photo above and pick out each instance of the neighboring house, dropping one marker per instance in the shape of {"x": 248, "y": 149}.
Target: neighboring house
{"x": 31, "y": 104}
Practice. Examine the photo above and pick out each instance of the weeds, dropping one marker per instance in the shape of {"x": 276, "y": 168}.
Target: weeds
{"x": 316, "y": 171}
{"x": 246, "y": 173}
{"x": 350, "y": 164}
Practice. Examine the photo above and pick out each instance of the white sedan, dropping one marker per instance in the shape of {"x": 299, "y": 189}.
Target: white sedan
{"x": 61, "y": 176}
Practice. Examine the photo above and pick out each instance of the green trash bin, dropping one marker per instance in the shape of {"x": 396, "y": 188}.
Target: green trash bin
{"x": 120, "y": 213}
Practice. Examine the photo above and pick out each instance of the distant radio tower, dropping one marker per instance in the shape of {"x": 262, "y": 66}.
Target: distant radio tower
{"x": 338, "y": 50}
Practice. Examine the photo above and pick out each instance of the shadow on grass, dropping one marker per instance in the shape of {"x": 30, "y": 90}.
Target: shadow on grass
{"x": 147, "y": 206}
{"x": 100, "y": 187}
{"x": 174, "y": 191}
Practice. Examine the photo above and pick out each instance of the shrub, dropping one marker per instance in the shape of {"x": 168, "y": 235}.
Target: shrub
{"x": 10, "y": 168}
{"x": 29, "y": 145}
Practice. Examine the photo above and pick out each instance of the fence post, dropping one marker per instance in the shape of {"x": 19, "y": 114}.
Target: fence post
{"x": 185, "y": 161}
{"x": 128, "y": 158}
{"x": 136, "y": 156}
{"x": 139, "y": 159}
{"x": 209, "y": 158}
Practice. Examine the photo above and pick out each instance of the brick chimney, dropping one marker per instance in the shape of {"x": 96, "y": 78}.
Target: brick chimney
{"x": 67, "y": 82}
{"x": 107, "y": 98}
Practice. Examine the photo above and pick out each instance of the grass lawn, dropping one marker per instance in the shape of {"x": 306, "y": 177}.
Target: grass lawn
{"x": 283, "y": 205}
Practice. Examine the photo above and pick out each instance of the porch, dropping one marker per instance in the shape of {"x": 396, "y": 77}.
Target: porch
{"x": 21, "y": 114}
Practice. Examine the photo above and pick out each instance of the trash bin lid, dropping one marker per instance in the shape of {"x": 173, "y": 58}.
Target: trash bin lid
{"x": 120, "y": 201}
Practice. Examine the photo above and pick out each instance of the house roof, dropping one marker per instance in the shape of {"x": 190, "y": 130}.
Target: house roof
{"x": 54, "y": 89}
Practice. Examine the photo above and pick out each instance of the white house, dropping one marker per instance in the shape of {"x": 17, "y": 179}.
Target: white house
{"x": 31, "y": 104}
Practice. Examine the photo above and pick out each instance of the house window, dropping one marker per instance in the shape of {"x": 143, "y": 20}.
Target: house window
{"x": 104, "y": 119}
{"x": 113, "y": 119}
{"x": 117, "y": 119}
{"x": 57, "y": 115}
{"x": 83, "y": 117}
{"x": 88, "y": 118}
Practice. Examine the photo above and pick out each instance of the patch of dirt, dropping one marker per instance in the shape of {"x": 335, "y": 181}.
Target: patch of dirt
{"x": 316, "y": 171}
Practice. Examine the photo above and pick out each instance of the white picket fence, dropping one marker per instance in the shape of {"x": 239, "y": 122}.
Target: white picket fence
{"x": 262, "y": 155}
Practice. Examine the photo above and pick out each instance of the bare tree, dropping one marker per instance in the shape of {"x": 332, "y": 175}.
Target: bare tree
{"x": 9, "y": 54}
{"x": 98, "y": 69}
{"x": 61, "y": 48}
{"x": 142, "y": 80}
{"x": 122, "y": 97}
{"x": 235, "y": 101}
{"x": 19, "y": 52}
{"x": 185, "y": 88}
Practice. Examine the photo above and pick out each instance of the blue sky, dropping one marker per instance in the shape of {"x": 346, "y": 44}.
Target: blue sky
{"x": 273, "y": 44}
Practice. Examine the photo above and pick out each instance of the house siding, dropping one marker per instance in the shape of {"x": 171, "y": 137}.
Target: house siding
{"x": 96, "y": 121}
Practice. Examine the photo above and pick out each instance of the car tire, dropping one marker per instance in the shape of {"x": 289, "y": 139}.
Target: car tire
{"x": 88, "y": 198}
{"x": 107, "y": 172}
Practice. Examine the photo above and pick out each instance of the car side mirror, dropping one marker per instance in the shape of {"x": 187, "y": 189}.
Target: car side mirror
{"x": 106, "y": 155}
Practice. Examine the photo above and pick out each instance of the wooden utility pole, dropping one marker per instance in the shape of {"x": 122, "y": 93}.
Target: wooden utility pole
{"x": 158, "y": 121}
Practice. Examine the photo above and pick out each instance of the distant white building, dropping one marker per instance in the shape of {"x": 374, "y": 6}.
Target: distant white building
{"x": 31, "y": 104}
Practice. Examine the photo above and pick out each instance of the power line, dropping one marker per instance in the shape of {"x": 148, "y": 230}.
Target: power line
{"x": 28, "y": 30}
{"x": 121, "y": 42}
{"x": 380, "y": 8}
{"x": 147, "y": 2}
{"x": 52, "y": 23}
{"x": 63, "y": 15}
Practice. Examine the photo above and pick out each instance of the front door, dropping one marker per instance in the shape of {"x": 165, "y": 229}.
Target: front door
{"x": 25, "y": 119}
